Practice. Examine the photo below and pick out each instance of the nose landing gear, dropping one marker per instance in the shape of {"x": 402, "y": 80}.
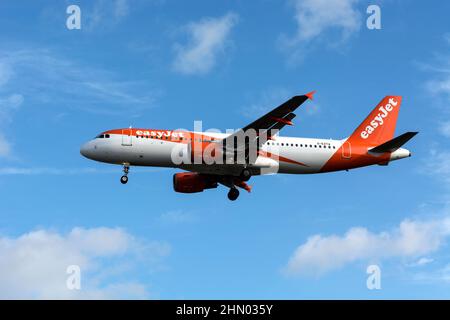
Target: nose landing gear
{"x": 126, "y": 169}
{"x": 233, "y": 194}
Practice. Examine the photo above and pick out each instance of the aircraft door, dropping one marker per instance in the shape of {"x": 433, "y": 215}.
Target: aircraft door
{"x": 127, "y": 137}
{"x": 346, "y": 150}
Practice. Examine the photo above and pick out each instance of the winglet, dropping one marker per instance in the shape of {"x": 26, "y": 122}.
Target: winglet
{"x": 310, "y": 95}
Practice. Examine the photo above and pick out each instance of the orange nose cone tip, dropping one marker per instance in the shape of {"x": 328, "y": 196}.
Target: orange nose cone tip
{"x": 310, "y": 95}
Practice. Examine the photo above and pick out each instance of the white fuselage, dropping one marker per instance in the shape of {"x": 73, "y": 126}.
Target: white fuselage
{"x": 295, "y": 155}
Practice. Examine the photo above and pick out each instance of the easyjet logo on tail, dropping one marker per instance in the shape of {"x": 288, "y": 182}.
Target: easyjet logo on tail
{"x": 378, "y": 120}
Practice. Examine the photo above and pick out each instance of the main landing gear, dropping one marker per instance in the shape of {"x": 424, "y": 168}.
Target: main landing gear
{"x": 126, "y": 169}
{"x": 233, "y": 194}
{"x": 234, "y": 182}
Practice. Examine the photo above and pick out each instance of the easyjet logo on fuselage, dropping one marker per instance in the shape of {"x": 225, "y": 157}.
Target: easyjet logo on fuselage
{"x": 160, "y": 133}
{"x": 378, "y": 120}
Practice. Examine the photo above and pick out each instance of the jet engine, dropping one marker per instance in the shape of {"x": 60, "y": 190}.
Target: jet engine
{"x": 191, "y": 182}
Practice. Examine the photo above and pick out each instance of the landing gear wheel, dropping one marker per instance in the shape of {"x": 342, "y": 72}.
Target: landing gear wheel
{"x": 245, "y": 175}
{"x": 124, "y": 179}
{"x": 233, "y": 194}
{"x": 126, "y": 169}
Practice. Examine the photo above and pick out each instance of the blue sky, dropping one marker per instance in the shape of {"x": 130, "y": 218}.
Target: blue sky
{"x": 164, "y": 64}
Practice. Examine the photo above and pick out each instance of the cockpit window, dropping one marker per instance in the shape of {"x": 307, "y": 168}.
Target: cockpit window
{"x": 102, "y": 135}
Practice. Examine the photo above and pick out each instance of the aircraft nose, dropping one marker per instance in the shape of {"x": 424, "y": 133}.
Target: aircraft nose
{"x": 86, "y": 150}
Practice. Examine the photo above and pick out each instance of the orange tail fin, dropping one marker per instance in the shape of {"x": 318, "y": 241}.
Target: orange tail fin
{"x": 379, "y": 126}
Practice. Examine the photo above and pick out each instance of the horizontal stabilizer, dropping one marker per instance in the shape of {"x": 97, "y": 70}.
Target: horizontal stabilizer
{"x": 394, "y": 144}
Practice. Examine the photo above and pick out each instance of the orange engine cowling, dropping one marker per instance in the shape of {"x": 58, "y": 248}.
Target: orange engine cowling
{"x": 191, "y": 182}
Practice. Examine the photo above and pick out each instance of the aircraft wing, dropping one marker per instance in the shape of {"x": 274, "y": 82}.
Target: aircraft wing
{"x": 270, "y": 123}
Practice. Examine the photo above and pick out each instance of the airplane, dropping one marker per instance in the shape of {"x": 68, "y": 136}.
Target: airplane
{"x": 231, "y": 159}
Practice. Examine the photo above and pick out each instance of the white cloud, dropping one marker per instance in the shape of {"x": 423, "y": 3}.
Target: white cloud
{"x": 421, "y": 262}
{"x": 447, "y": 37}
{"x": 439, "y": 276}
{"x": 5, "y": 73}
{"x": 444, "y": 128}
{"x": 438, "y": 165}
{"x": 207, "y": 39}
{"x": 413, "y": 238}
{"x": 440, "y": 86}
{"x": 43, "y": 76}
{"x": 121, "y": 8}
{"x": 8, "y": 105}
{"x": 313, "y": 17}
{"x": 5, "y": 147}
{"x": 33, "y": 265}
{"x": 316, "y": 19}
{"x": 105, "y": 14}
{"x": 176, "y": 217}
